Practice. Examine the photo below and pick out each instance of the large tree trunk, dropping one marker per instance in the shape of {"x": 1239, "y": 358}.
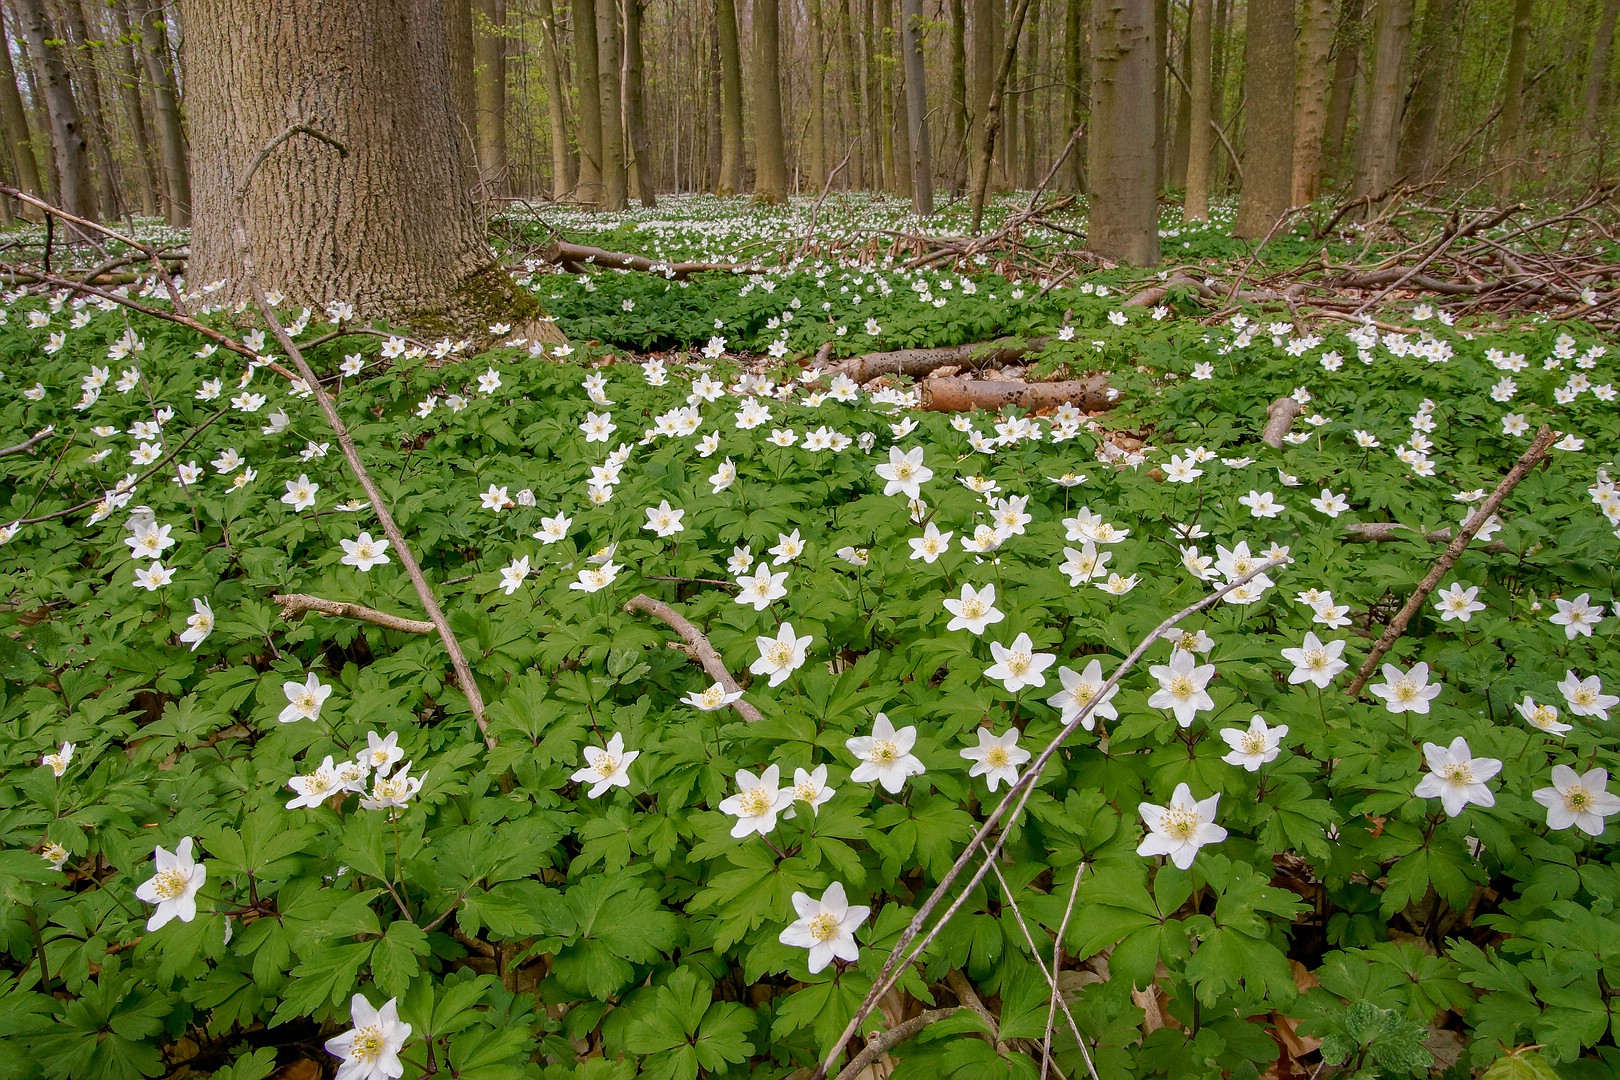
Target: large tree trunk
{"x": 615, "y": 188}
{"x": 386, "y": 223}
{"x": 731, "y": 110}
{"x": 1268, "y": 144}
{"x": 14, "y": 122}
{"x": 489, "y": 50}
{"x": 922, "y": 162}
{"x": 588, "y": 87}
{"x": 957, "y": 115}
{"x": 770, "y": 165}
{"x": 635, "y": 108}
{"x": 1432, "y": 71}
{"x": 1376, "y": 143}
{"x": 1195, "y": 207}
{"x": 1311, "y": 90}
{"x": 1507, "y": 132}
{"x": 69, "y": 143}
{"x": 562, "y": 160}
{"x": 171, "y": 132}
{"x": 458, "y": 35}
{"x": 1597, "y": 72}
{"x": 1124, "y": 83}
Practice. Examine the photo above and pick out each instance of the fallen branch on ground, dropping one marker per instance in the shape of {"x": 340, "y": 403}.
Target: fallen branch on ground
{"x": 1092, "y": 394}
{"x": 578, "y": 258}
{"x": 919, "y": 362}
{"x": 702, "y": 651}
{"x": 1280, "y": 416}
{"x": 294, "y": 605}
{"x": 1377, "y": 532}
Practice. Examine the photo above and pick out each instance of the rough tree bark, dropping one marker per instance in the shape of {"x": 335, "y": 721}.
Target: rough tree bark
{"x": 1124, "y": 83}
{"x": 856, "y": 118}
{"x": 957, "y": 115}
{"x": 922, "y": 162}
{"x": 1268, "y": 141}
{"x": 1195, "y": 207}
{"x": 1074, "y": 75}
{"x": 1311, "y": 90}
{"x": 588, "y": 85}
{"x": 731, "y": 106}
{"x": 94, "y": 107}
{"x": 171, "y": 134}
{"x": 386, "y": 224}
{"x": 770, "y": 165}
{"x": 69, "y": 144}
{"x": 1376, "y": 143}
{"x": 458, "y": 36}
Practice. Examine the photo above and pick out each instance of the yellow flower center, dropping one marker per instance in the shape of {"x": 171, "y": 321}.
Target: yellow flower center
{"x": 1577, "y": 798}
{"x": 1459, "y": 773}
{"x": 367, "y": 1044}
{"x": 780, "y": 653}
{"x": 1254, "y": 742}
{"x": 997, "y": 757}
{"x": 1316, "y": 659}
{"x": 806, "y": 792}
{"x": 904, "y": 471}
{"x": 883, "y": 752}
{"x": 823, "y": 927}
{"x": 1018, "y": 663}
{"x": 606, "y": 765}
{"x": 169, "y": 884}
{"x": 756, "y": 802}
{"x": 1405, "y": 690}
{"x": 1179, "y": 823}
{"x": 1585, "y": 696}
{"x": 1181, "y": 687}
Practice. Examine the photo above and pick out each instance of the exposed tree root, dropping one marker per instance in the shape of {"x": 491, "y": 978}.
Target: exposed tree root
{"x": 1092, "y": 394}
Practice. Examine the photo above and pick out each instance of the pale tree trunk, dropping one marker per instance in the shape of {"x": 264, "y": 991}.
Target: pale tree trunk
{"x": 958, "y": 117}
{"x": 14, "y": 122}
{"x": 635, "y": 107}
{"x": 71, "y": 149}
{"x": 1377, "y": 142}
{"x": 93, "y": 107}
{"x": 882, "y": 93}
{"x": 1311, "y": 90}
{"x": 1437, "y": 45}
{"x": 855, "y": 131}
{"x": 814, "y": 165}
{"x": 615, "y": 188}
{"x": 710, "y": 107}
{"x": 1180, "y": 91}
{"x": 985, "y": 154}
{"x": 129, "y": 87}
{"x": 770, "y": 165}
{"x": 171, "y": 134}
{"x": 1199, "y": 134}
{"x": 1124, "y": 222}
{"x": 731, "y": 103}
{"x": 1347, "y": 42}
{"x": 1268, "y": 141}
{"x": 986, "y": 16}
{"x": 386, "y": 224}
{"x": 922, "y": 162}
{"x": 562, "y": 161}
{"x": 1507, "y": 132}
{"x": 588, "y": 87}
{"x": 489, "y": 50}
{"x": 1597, "y": 72}
{"x": 458, "y": 35}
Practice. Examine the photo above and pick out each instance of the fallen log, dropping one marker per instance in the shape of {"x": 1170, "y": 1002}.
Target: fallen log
{"x": 579, "y": 258}
{"x": 294, "y": 605}
{"x": 919, "y": 362}
{"x": 1280, "y": 416}
{"x": 1091, "y": 393}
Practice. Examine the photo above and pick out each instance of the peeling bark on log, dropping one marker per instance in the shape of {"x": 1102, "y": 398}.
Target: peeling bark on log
{"x": 578, "y": 258}
{"x": 1280, "y": 416}
{"x": 962, "y": 395}
{"x": 919, "y": 362}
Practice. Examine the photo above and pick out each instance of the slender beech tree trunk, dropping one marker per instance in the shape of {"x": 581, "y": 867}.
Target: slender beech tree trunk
{"x": 922, "y": 163}
{"x": 1597, "y": 72}
{"x": 1311, "y": 89}
{"x": 985, "y": 157}
{"x": 986, "y": 16}
{"x": 813, "y": 164}
{"x": 1074, "y": 75}
{"x": 957, "y": 115}
{"x": 489, "y": 50}
{"x": 854, "y": 129}
{"x": 1124, "y": 200}
{"x": 731, "y": 110}
{"x": 14, "y": 122}
{"x": 635, "y": 107}
{"x": 588, "y": 88}
{"x": 1347, "y": 42}
{"x": 1268, "y": 143}
{"x": 1377, "y": 141}
{"x": 615, "y": 187}
{"x": 770, "y": 171}
{"x": 1180, "y": 91}
{"x": 712, "y": 108}
{"x": 1220, "y": 39}
{"x": 1199, "y": 132}
{"x": 551, "y": 60}
{"x": 1507, "y": 131}
{"x": 94, "y": 106}
{"x": 387, "y": 223}
{"x": 129, "y": 91}
{"x": 69, "y": 143}
{"x": 1431, "y": 72}
{"x": 171, "y": 133}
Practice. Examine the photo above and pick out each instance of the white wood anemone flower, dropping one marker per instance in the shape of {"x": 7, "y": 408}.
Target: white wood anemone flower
{"x": 826, "y": 927}
{"x": 1181, "y": 828}
{"x": 370, "y": 1050}
{"x": 174, "y": 887}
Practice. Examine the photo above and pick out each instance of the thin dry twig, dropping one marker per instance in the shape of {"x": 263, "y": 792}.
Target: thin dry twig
{"x": 702, "y": 651}
{"x": 1448, "y": 559}
{"x": 294, "y": 605}
{"x": 29, "y": 443}
{"x": 881, "y": 1042}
